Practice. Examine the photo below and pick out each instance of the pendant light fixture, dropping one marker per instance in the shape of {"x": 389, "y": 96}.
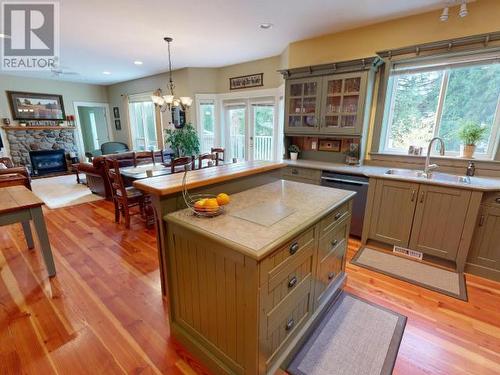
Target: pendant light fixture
{"x": 168, "y": 102}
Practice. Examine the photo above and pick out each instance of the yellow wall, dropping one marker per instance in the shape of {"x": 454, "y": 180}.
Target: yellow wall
{"x": 484, "y": 17}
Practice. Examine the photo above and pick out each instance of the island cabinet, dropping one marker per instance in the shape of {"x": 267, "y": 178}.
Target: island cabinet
{"x": 434, "y": 220}
{"x": 246, "y": 312}
{"x": 484, "y": 255}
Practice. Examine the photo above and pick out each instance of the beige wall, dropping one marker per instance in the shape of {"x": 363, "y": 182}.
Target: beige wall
{"x": 484, "y": 16}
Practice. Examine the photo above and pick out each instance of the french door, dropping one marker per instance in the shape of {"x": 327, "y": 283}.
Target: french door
{"x": 251, "y": 128}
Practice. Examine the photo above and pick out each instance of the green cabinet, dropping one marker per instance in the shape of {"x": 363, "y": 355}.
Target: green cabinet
{"x": 332, "y": 104}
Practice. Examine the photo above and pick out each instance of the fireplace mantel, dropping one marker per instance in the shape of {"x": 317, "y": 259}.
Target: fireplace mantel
{"x": 7, "y": 128}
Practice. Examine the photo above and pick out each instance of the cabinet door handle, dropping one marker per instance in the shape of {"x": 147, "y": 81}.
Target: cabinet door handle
{"x": 481, "y": 220}
{"x": 293, "y": 248}
{"x": 289, "y": 324}
{"x": 331, "y": 275}
{"x": 413, "y": 195}
{"x": 295, "y": 171}
{"x": 292, "y": 282}
{"x": 338, "y": 215}
{"x": 422, "y": 197}
{"x": 497, "y": 200}
{"x": 334, "y": 243}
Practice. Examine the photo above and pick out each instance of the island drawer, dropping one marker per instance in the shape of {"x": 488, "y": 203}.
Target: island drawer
{"x": 492, "y": 198}
{"x": 333, "y": 237}
{"x": 334, "y": 218}
{"x": 329, "y": 269}
{"x": 283, "y": 322}
{"x": 278, "y": 260}
{"x": 285, "y": 280}
{"x": 311, "y": 174}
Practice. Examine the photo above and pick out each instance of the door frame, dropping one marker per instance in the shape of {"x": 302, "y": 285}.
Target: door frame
{"x": 79, "y": 134}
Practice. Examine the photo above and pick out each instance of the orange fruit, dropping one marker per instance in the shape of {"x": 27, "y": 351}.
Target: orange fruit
{"x": 200, "y": 205}
{"x": 211, "y": 204}
{"x": 223, "y": 199}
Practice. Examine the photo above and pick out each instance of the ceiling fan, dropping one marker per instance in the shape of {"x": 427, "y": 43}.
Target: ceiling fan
{"x": 59, "y": 71}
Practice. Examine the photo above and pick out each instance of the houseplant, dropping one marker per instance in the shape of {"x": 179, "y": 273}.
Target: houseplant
{"x": 184, "y": 141}
{"x": 470, "y": 133}
{"x": 294, "y": 151}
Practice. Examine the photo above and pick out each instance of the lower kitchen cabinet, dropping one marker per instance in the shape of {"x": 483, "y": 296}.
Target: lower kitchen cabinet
{"x": 305, "y": 175}
{"x": 484, "y": 255}
{"x": 392, "y": 211}
{"x": 439, "y": 220}
{"x": 434, "y": 220}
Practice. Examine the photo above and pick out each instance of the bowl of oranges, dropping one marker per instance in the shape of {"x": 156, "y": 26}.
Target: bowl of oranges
{"x": 209, "y": 205}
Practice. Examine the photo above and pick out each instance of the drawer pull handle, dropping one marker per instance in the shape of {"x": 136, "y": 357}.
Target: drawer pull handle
{"x": 334, "y": 243}
{"x": 338, "y": 215}
{"x": 294, "y": 171}
{"x": 290, "y": 324}
{"x": 481, "y": 220}
{"x": 293, "y": 248}
{"x": 292, "y": 282}
{"x": 497, "y": 200}
{"x": 331, "y": 275}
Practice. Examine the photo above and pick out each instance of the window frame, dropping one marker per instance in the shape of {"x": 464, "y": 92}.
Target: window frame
{"x": 445, "y": 64}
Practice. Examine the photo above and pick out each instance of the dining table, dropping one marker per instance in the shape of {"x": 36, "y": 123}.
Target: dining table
{"x": 18, "y": 204}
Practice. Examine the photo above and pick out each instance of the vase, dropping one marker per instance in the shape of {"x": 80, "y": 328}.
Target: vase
{"x": 467, "y": 151}
{"x": 294, "y": 155}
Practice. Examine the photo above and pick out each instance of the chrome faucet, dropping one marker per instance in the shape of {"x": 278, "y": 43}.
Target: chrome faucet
{"x": 430, "y": 167}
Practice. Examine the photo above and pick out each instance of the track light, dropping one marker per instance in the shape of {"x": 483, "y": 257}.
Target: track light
{"x": 444, "y": 15}
{"x": 463, "y": 10}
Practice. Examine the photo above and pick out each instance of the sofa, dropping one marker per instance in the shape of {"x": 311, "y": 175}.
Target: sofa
{"x": 97, "y": 180}
{"x": 11, "y": 176}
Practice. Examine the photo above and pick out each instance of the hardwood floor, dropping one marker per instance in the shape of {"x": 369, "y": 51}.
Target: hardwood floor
{"x": 103, "y": 312}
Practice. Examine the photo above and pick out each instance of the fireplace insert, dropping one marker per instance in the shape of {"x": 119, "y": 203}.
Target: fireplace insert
{"x": 47, "y": 161}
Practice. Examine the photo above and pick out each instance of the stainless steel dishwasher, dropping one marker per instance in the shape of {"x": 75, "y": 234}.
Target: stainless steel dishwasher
{"x": 356, "y": 183}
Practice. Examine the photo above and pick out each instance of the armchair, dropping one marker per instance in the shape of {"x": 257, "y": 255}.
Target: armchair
{"x": 12, "y": 176}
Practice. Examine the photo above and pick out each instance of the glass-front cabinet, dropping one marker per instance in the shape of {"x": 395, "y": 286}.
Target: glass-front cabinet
{"x": 303, "y": 105}
{"x": 332, "y": 104}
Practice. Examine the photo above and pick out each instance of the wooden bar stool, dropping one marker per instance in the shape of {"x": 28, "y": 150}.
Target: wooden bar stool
{"x": 209, "y": 157}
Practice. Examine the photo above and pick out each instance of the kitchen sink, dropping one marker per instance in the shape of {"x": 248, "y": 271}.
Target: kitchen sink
{"x": 436, "y": 176}
{"x": 405, "y": 173}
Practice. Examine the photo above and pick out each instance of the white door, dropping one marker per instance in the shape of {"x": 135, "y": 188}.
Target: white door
{"x": 94, "y": 127}
{"x": 236, "y": 120}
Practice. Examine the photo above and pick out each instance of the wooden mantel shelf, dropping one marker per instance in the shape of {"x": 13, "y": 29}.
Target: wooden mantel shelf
{"x": 37, "y": 127}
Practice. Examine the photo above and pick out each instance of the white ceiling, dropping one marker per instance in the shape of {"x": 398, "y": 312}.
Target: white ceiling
{"x": 109, "y": 35}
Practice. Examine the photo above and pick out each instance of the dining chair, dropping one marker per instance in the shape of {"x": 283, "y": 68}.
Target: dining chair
{"x": 209, "y": 157}
{"x": 143, "y": 157}
{"x": 218, "y": 151}
{"x": 184, "y": 161}
{"x": 124, "y": 198}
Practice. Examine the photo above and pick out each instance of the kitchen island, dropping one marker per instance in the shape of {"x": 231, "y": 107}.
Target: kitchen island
{"x": 244, "y": 288}
{"x": 166, "y": 191}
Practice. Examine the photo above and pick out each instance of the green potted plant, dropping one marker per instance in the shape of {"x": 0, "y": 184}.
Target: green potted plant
{"x": 294, "y": 151}
{"x": 184, "y": 141}
{"x": 470, "y": 133}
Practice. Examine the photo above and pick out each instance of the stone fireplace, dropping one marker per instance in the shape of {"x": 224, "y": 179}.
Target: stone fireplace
{"x": 22, "y": 141}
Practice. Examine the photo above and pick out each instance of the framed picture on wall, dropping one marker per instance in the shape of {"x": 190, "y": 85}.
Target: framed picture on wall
{"x": 36, "y": 106}
{"x": 116, "y": 112}
{"x": 244, "y": 82}
{"x": 118, "y": 125}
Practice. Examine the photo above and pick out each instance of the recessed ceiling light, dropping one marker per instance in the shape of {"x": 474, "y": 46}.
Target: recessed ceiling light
{"x": 106, "y": 73}
{"x": 137, "y": 62}
{"x": 266, "y": 26}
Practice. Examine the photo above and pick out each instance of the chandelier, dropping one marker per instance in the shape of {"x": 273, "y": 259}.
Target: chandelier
{"x": 169, "y": 102}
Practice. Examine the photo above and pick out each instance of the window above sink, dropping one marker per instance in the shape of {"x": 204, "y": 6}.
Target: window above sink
{"x": 429, "y": 98}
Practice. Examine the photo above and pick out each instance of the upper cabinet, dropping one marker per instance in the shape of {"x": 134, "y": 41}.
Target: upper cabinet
{"x": 303, "y": 105}
{"x": 329, "y": 99}
{"x": 343, "y": 103}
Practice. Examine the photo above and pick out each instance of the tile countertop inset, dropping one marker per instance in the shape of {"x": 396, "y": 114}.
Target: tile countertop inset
{"x": 310, "y": 204}
{"x": 477, "y": 183}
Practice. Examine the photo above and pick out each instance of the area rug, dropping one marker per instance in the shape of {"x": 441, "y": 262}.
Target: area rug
{"x": 62, "y": 191}
{"x": 355, "y": 337}
{"x": 421, "y": 274}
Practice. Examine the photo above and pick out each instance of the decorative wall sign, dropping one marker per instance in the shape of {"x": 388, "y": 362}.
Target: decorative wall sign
{"x": 116, "y": 112}
{"x": 330, "y": 145}
{"x": 35, "y": 106}
{"x": 118, "y": 125}
{"x": 244, "y": 82}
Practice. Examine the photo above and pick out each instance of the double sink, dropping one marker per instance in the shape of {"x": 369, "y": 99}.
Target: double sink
{"x": 435, "y": 176}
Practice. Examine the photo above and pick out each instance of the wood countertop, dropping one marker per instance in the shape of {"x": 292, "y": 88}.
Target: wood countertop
{"x": 170, "y": 184}
{"x": 259, "y": 220}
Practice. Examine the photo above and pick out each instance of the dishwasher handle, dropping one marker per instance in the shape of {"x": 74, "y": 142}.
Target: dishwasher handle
{"x": 350, "y": 182}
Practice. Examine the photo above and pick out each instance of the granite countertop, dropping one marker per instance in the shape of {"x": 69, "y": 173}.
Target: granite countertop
{"x": 280, "y": 208}
{"x": 477, "y": 183}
